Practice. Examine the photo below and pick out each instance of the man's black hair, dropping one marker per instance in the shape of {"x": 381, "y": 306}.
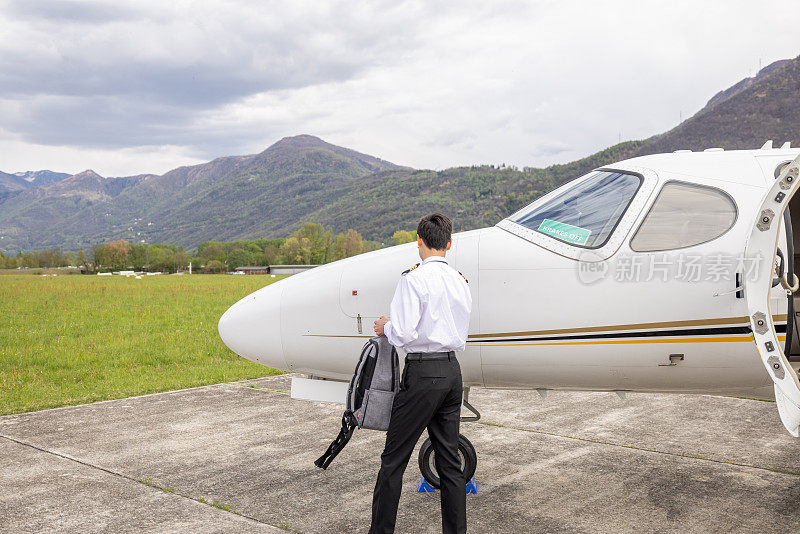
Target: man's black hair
{"x": 435, "y": 230}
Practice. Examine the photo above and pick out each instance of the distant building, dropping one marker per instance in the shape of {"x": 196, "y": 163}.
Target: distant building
{"x": 252, "y": 270}
{"x": 289, "y": 269}
{"x": 274, "y": 269}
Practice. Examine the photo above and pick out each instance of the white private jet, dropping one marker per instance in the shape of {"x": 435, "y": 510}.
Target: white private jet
{"x": 669, "y": 273}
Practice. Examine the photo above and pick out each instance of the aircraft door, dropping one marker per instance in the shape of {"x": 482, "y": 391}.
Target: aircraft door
{"x": 763, "y": 241}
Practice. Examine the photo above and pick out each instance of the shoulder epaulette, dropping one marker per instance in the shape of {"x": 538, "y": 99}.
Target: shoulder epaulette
{"x": 410, "y": 268}
{"x": 464, "y": 277}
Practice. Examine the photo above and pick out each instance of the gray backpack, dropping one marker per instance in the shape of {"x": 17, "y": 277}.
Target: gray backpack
{"x": 370, "y": 395}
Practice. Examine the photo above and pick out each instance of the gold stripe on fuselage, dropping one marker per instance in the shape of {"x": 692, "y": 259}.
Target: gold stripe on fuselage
{"x": 633, "y": 326}
{"x": 718, "y": 339}
{"x": 739, "y": 321}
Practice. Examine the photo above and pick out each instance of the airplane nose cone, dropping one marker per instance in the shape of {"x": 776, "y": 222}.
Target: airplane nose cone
{"x": 252, "y": 327}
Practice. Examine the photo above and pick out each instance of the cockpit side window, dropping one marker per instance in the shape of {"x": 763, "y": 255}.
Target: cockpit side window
{"x": 585, "y": 214}
{"x": 684, "y": 215}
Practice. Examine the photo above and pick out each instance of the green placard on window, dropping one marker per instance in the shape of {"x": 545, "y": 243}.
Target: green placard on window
{"x": 565, "y": 232}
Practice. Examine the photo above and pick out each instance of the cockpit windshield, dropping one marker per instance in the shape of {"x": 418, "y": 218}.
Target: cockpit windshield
{"x": 586, "y": 213}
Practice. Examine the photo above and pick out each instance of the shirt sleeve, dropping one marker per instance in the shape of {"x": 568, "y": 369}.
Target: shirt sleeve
{"x": 405, "y": 313}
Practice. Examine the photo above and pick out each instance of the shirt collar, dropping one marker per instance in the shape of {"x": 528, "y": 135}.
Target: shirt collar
{"x": 433, "y": 258}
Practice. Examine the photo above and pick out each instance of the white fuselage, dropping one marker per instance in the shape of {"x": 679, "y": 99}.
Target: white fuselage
{"x": 547, "y": 314}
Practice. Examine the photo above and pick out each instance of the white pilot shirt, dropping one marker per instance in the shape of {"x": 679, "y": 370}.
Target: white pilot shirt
{"x": 430, "y": 309}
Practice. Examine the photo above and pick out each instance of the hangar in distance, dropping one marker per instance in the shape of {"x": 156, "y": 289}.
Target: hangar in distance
{"x": 669, "y": 273}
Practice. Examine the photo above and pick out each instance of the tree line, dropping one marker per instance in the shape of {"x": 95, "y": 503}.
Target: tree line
{"x": 312, "y": 244}
{"x": 43, "y": 258}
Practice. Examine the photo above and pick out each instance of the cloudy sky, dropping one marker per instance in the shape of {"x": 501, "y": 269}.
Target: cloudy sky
{"x": 128, "y": 87}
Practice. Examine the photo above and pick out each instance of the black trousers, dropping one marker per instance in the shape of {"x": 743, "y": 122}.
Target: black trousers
{"x": 429, "y": 397}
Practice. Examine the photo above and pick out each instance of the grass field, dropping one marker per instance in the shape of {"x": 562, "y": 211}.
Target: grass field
{"x": 76, "y": 339}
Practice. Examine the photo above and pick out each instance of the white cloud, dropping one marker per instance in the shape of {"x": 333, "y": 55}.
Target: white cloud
{"x": 150, "y": 86}
{"x": 117, "y": 162}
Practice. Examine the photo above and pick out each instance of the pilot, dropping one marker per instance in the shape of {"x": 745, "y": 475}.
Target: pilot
{"x": 429, "y": 321}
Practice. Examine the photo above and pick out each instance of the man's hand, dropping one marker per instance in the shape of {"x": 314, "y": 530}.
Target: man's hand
{"x": 379, "y": 325}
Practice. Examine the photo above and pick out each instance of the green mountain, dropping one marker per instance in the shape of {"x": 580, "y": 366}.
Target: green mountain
{"x": 42, "y": 177}
{"x": 303, "y": 178}
{"x": 10, "y": 183}
{"x": 228, "y": 198}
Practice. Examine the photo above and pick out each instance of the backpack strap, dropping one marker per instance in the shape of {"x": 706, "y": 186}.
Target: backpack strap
{"x": 349, "y": 422}
{"x": 336, "y": 446}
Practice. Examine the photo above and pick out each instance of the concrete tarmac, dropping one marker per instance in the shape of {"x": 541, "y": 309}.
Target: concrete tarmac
{"x": 239, "y": 457}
